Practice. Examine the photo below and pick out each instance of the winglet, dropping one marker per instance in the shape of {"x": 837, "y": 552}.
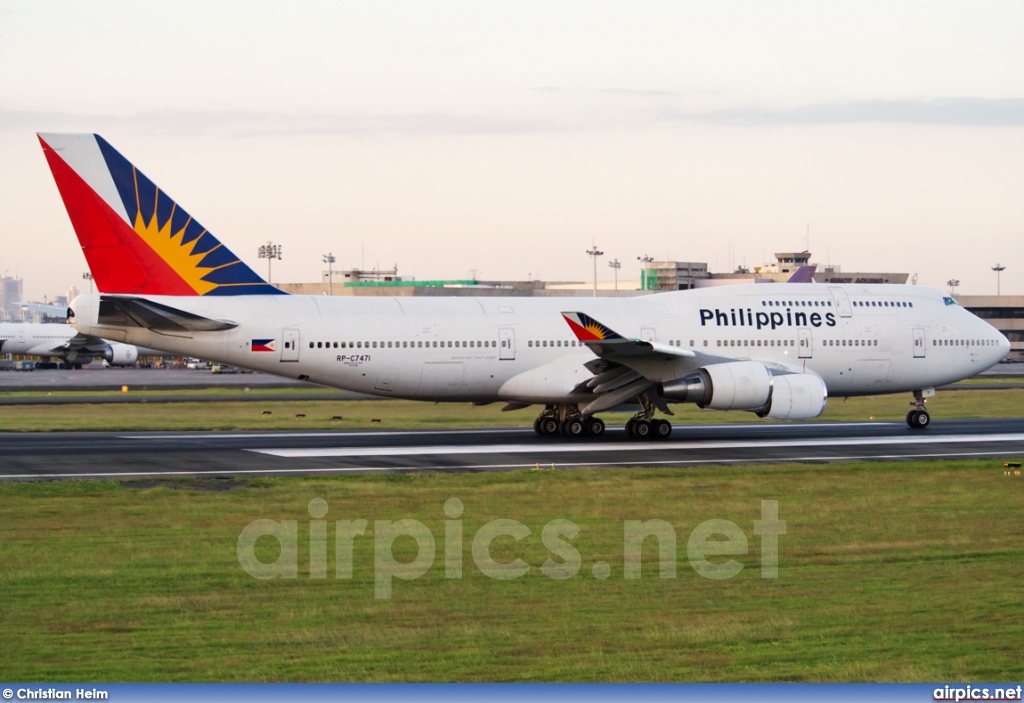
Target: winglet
{"x": 587, "y": 329}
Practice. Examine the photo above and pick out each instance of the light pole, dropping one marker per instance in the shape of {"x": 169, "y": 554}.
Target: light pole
{"x": 88, "y": 277}
{"x": 615, "y": 264}
{"x": 998, "y": 268}
{"x": 646, "y": 260}
{"x": 952, "y": 283}
{"x": 594, "y": 253}
{"x": 270, "y": 251}
{"x": 329, "y": 260}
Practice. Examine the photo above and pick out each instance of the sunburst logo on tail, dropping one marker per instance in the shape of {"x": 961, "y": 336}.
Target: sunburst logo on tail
{"x": 587, "y": 329}
{"x": 172, "y": 248}
{"x": 203, "y": 263}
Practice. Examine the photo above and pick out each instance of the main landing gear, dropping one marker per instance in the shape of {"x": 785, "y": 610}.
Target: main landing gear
{"x": 918, "y": 418}
{"x": 639, "y": 427}
{"x": 566, "y": 421}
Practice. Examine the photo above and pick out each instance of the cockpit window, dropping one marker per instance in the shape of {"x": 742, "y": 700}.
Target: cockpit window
{"x": 948, "y": 301}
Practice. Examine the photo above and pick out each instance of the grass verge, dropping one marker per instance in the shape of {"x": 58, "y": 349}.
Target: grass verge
{"x": 277, "y": 413}
{"x": 904, "y": 571}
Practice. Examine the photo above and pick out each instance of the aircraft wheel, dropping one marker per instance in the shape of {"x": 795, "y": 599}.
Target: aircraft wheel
{"x": 537, "y": 427}
{"x": 642, "y": 429}
{"x": 573, "y": 427}
{"x": 595, "y": 426}
{"x": 629, "y": 427}
{"x": 549, "y": 426}
{"x": 662, "y": 428}
{"x": 919, "y": 419}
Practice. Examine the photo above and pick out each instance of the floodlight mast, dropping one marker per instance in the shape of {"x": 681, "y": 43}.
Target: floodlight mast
{"x": 329, "y": 259}
{"x": 270, "y": 251}
{"x": 998, "y": 268}
{"x": 594, "y": 253}
{"x": 646, "y": 260}
{"x": 615, "y": 264}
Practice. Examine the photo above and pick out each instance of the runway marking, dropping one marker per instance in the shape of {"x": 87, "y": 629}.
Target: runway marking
{"x": 491, "y": 430}
{"x": 313, "y": 452}
{"x": 498, "y": 467}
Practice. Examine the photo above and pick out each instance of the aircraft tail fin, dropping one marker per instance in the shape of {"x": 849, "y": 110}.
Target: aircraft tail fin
{"x": 804, "y": 274}
{"x": 135, "y": 237}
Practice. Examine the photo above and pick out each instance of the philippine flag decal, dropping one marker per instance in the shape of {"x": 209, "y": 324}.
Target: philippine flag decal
{"x": 263, "y": 345}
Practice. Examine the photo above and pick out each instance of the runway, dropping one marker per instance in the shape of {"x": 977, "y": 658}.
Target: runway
{"x": 105, "y": 455}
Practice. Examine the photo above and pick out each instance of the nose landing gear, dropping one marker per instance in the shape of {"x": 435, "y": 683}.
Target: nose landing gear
{"x": 918, "y": 419}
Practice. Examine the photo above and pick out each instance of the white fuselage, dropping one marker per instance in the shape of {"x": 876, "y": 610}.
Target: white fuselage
{"x": 34, "y": 339}
{"x": 860, "y": 340}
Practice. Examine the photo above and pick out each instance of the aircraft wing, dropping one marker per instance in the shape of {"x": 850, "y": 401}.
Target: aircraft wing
{"x": 80, "y": 345}
{"x": 628, "y": 368}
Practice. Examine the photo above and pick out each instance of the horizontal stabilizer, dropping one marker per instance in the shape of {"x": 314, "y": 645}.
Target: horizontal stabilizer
{"x": 138, "y": 312}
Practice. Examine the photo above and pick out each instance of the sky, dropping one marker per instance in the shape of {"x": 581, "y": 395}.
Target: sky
{"x": 508, "y": 137}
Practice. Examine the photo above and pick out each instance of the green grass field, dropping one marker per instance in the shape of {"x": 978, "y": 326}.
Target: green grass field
{"x": 887, "y": 572}
{"x": 392, "y": 414}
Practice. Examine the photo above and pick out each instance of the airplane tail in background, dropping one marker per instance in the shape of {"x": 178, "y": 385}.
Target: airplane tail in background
{"x": 804, "y": 274}
{"x": 135, "y": 238}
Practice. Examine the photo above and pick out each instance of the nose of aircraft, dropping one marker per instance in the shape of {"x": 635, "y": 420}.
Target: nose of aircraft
{"x": 1003, "y": 348}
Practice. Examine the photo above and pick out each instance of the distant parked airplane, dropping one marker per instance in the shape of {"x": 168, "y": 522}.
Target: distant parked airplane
{"x": 774, "y": 350}
{"x": 64, "y": 342}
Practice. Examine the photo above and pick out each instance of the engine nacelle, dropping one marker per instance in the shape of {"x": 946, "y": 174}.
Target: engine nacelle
{"x": 798, "y": 396}
{"x": 739, "y": 385}
{"x": 118, "y": 354}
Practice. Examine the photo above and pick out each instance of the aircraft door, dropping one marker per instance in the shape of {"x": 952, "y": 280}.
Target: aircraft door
{"x": 290, "y": 345}
{"x": 842, "y": 300}
{"x": 21, "y": 336}
{"x": 506, "y": 343}
{"x": 806, "y": 348}
{"x": 919, "y": 343}
{"x": 648, "y": 334}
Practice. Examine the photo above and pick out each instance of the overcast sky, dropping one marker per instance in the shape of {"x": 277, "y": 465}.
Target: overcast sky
{"x": 506, "y": 136}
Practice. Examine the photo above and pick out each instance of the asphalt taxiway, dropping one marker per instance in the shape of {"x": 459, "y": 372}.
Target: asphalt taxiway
{"x": 105, "y": 455}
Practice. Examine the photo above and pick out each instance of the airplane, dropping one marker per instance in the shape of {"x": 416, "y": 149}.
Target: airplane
{"x": 778, "y": 350}
{"x": 64, "y": 342}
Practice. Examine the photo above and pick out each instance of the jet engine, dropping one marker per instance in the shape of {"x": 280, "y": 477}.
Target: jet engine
{"x": 798, "y": 396}
{"x": 118, "y": 354}
{"x": 738, "y": 385}
{"x": 749, "y": 385}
